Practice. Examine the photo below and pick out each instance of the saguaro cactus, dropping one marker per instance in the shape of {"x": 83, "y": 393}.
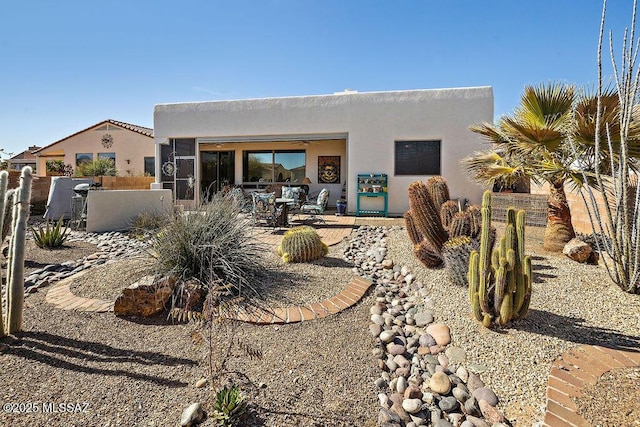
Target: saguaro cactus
{"x": 500, "y": 281}
{"x": 15, "y": 265}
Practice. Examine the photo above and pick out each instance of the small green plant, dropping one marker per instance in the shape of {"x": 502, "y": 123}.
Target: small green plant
{"x": 229, "y": 407}
{"x": 50, "y": 236}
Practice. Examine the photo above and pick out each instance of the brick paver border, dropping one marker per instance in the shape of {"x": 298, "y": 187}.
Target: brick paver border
{"x": 574, "y": 370}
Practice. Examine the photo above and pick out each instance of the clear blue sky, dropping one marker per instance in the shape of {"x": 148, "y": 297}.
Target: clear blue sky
{"x": 66, "y": 65}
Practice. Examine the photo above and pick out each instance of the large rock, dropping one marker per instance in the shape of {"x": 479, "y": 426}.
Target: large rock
{"x": 577, "y": 250}
{"x": 192, "y": 415}
{"x": 144, "y": 298}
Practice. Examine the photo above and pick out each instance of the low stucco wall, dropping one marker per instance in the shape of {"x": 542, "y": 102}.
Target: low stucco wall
{"x": 112, "y": 210}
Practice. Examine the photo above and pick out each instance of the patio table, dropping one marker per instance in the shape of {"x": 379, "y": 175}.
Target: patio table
{"x": 283, "y": 221}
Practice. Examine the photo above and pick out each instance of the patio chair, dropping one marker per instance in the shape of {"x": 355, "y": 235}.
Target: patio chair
{"x": 316, "y": 208}
{"x": 297, "y": 195}
{"x": 265, "y": 210}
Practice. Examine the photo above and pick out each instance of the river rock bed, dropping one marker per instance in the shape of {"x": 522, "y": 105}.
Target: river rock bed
{"x": 423, "y": 379}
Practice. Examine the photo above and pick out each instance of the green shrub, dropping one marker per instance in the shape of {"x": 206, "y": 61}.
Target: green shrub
{"x": 50, "y": 236}
{"x": 97, "y": 167}
{"x": 229, "y": 406}
{"x": 212, "y": 244}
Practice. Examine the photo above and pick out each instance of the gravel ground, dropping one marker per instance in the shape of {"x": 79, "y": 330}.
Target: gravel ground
{"x": 572, "y": 304}
{"x": 142, "y": 372}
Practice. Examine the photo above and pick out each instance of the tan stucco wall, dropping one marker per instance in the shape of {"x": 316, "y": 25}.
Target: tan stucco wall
{"x": 370, "y": 122}
{"x": 111, "y": 210}
{"x": 127, "y": 144}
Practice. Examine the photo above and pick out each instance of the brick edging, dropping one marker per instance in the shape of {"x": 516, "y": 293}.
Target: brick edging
{"x": 574, "y": 370}
{"x": 60, "y": 296}
{"x": 349, "y": 296}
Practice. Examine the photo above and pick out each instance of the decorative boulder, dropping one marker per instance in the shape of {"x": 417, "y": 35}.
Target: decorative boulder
{"x": 144, "y": 298}
{"x": 577, "y": 250}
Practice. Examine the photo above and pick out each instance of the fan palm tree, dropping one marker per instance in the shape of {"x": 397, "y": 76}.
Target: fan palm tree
{"x": 532, "y": 144}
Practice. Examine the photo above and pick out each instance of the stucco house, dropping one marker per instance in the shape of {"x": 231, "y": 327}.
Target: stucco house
{"x": 131, "y": 146}
{"x": 26, "y": 158}
{"x": 407, "y": 135}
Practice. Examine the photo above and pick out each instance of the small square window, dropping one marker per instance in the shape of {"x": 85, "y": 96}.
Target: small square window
{"x": 417, "y": 158}
{"x": 83, "y": 158}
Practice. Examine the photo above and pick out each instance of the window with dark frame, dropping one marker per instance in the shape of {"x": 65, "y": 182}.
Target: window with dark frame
{"x": 150, "y": 166}
{"x": 417, "y": 157}
{"x": 273, "y": 166}
{"x": 83, "y": 158}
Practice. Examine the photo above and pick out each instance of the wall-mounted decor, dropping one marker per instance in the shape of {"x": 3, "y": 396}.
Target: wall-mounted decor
{"x": 329, "y": 169}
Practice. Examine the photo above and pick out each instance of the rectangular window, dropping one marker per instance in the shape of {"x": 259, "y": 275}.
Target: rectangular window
{"x": 417, "y": 158}
{"x": 111, "y": 156}
{"x": 273, "y": 166}
{"x": 150, "y": 166}
{"x": 83, "y": 157}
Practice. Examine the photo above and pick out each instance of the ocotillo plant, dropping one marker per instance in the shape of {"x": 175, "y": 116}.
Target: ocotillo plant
{"x": 436, "y": 225}
{"x": 500, "y": 280}
{"x": 15, "y": 264}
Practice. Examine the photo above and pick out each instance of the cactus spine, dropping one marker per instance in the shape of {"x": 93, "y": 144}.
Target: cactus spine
{"x": 15, "y": 265}
{"x": 500, "y": 280}
{"x": 301, "y": 244}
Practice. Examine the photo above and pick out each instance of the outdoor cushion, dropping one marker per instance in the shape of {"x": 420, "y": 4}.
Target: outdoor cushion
{"x": 323, "y": 198}
{"x": 264, "y": 203}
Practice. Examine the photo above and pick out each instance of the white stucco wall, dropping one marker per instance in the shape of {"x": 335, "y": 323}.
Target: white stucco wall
{"x": 371, "y": 121}
{"x": 113, "y": 210}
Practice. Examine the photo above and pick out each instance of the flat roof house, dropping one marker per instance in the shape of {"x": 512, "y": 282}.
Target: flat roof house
{"x": 407, "y": 135}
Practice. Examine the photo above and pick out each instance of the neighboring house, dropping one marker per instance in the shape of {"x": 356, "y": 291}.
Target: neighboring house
{"x": 129, "y": 145}
{"x": 408, "y": 135}
{"x": 26, "y": 158}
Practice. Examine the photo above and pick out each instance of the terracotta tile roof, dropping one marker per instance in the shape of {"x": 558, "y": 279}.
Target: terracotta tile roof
{"x": 135, "y": 128}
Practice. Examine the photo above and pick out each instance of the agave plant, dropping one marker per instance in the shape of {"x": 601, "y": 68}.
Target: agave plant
{"x": 50, "y": 236}
{"x": 229, "y": 406}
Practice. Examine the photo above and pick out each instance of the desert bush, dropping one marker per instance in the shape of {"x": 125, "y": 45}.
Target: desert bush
{"x": 97, "y": 167}
{"x": 211, "y": 244}
{"x": 147, "y": 221}
{"x": 50, "y": 236}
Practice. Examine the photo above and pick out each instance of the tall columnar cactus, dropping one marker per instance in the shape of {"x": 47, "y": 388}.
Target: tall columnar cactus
{"x": 15, "y": 265}
{"x": 433, "y": 221}
{"x": 4, "y": 179}
{"x": 438, "y": 190}
{"x": 301, "y": 244}
{"x": 500, "y": 280}
{"x": 426, "y": 216}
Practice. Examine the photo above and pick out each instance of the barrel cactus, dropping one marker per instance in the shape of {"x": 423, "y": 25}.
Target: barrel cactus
{"x": 302, "y": 244}
{"x": 20, "y": 204}
{"x": 437, "y": 228}
{"x": 500, "y": 280}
